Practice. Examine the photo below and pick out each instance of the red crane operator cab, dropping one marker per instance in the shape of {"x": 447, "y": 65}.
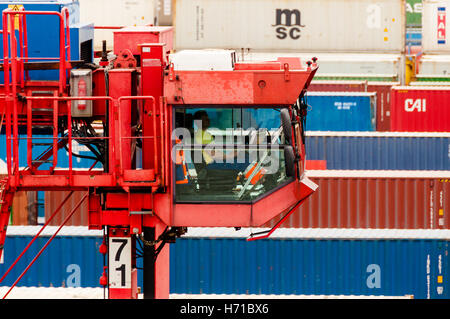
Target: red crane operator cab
{"x": 238, "y": 137}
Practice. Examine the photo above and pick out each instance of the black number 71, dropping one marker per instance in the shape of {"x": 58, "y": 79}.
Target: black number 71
{"x": 122, "y": 242}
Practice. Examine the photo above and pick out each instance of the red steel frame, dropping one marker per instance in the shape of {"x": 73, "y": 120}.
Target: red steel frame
{"x": 135, "y": 200}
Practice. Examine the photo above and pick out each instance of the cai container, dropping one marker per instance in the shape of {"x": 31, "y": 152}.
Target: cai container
{"x": 311, "y": 263}
{"x": 374, "y": 199}
{"x": 341, "y": 111}
{"x": 379, "y": 150}
{"x": 420, "y": 109}
{"x": 308, "y": 26}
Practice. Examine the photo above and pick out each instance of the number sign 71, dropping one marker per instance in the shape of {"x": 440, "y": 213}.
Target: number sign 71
{"x": 120, "y": 262}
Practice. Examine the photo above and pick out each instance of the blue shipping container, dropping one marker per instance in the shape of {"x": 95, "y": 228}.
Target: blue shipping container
{"x": 311, "y": 267}
{"x": 380, "y": 151}
{"x": 69, "y": 261}
{"x": 373, "y": 267}
{"x": 341, "y": 111}
{"x": 63, "y": 158}
{"x": 43, "y": 33}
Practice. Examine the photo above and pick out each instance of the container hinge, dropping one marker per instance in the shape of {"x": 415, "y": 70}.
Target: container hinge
{"x": 287, "y": 76}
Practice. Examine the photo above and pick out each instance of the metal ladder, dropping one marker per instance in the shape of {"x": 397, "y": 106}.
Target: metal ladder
{"x": 42, "y": 118}
{"x": 6, "y": 198}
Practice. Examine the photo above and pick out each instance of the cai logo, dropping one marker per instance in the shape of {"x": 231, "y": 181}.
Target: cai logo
{"x": 288, "y": 23}
{"x": 419, "y": 105}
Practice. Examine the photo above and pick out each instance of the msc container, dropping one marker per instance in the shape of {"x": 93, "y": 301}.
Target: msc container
{"x": 293, "y": 264}
{"x": 435, "y": 26}
{"x": 308, "y": 26}
{"x": 114, "y": 14}
{"x": 420, "y": 109}
{"x": 342, "y": 66}
{"x": 375, "y": 199}
{"x": 341, "y": 111}
{"x": 379, "y": 150}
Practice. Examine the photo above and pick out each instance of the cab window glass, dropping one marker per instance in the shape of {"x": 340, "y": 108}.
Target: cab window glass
{"x": 227, "y": 154}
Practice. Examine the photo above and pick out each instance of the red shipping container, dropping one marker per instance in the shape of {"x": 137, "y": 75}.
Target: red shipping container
{"x": 337, "y": 86}
{"x": 54, "y": 198}
{"x": 383, "y": 111}
{"x": 374, "y": 199}
{"x": 420, "y": 109}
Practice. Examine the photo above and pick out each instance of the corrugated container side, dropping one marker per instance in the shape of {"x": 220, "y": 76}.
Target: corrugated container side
{"x": 420, "y": 109}
{"x": 374, "y": 151}
{"x": 370, "y": 202}
{"x": 341, "y": 111}
{"x": 54, "y": 198}
{"x": 69, "y": 261}
{"x": 383, "y": 113}
{"x": 63, "y": 158}
{"x": 311, "y": 267}
{"x": 20, "y": 209}
{"x": 337, "y": 86}
{"x": 435, "y": 26}
{"x": 382, "y": 89}
{"x": 287, "y": 265}
{"x": 363, "y": 26}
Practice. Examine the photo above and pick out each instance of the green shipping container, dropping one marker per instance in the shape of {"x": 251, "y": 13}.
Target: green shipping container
{"x": 414, "y": 13}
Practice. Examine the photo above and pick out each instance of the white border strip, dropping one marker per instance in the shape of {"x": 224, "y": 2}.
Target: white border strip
{"x": 51, "y": 230}
{"x": 376, "y": 134}
{"x": 280, "y": 233}
{"x": 337, "y": 93}
{"x": 98, "y": 293}
{"x": 320, "y": 233}
{"x": 420, "y": 88}
{"x": 377, "y": 174}
{"x": 282, "y": 296}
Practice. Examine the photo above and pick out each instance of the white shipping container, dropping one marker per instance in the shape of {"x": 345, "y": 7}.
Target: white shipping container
{"x": 115, "y": 13}
{"x": 435, "y": 26}
{"x": 294, "y": 25}
{"x": 341, "y": 65}
{"x": 434, "y": 65}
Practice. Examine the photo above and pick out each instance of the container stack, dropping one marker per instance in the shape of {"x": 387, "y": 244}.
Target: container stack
{"x": 434, "y": 63}
{"x": 377, "y": 144}
{"x": 377, "y": 147}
